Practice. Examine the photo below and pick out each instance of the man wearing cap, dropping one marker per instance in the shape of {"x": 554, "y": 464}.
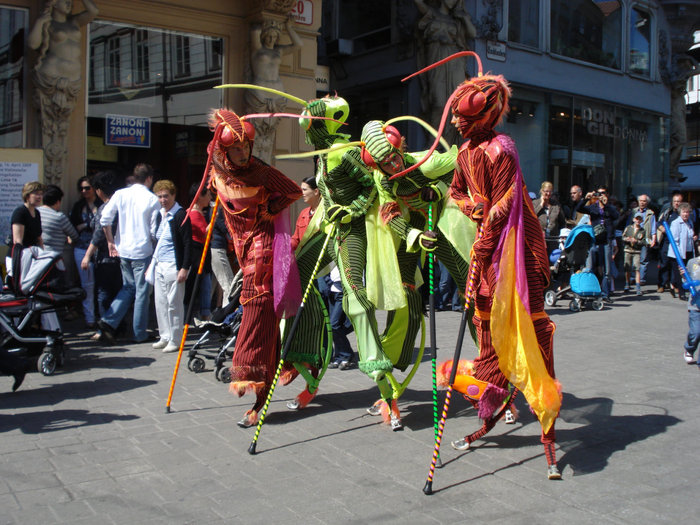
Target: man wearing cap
{"x": 649, "y": 226}
{"x": 634, "y": 238}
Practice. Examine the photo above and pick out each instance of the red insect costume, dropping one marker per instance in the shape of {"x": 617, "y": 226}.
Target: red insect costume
{"x": 486, "y": 185}
{"x": 251, "y": 194}
{"x": 509, "y": 268}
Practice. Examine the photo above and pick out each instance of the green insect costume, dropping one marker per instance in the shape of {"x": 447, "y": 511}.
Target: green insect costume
{"x": 403, "y": 207}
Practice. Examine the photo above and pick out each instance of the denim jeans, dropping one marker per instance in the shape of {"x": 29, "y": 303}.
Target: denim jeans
{"x": 448, "y": 289}
{"x": 342, "y": 351}
{"x": 134, "y": 290}
{"x": 601, "y": 255}
{"x": 108, "y": 281}
{"x": 643, "y": 263}
{"x": 691, "y": 344}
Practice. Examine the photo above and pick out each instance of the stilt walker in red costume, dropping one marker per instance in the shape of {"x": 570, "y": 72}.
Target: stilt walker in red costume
{"x": 510, "y": 268}
{"x": 251, "y": 194}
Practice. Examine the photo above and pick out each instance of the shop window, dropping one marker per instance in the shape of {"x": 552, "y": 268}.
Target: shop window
{"x": 357, "y": 25}
{"x": 13, "y": 27}
{"x": 524, "y": 22}
{"x": 587, "y": 30}
{"x": 640, "y": 42}
{"x": 158, "y": 112}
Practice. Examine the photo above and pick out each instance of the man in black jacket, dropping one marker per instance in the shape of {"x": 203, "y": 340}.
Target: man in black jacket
{"x": 172, "y": 259}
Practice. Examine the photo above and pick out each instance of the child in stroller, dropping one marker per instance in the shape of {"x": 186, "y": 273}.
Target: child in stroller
{"x": 224, "y": 322}
{"x": 32, "y": 294}
{"x": 570, "y": 278}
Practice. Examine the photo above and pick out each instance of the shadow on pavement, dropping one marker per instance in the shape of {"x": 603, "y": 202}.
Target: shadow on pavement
{"x": 47, "y": 395}
{"x": 52, "y": 420}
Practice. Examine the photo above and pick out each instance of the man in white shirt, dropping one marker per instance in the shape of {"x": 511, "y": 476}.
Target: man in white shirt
{"x": 134, "y": 206}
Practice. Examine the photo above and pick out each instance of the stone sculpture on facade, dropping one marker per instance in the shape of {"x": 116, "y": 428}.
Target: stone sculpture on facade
{"x": 265, "y": 58}
{"x": 444, "y": 29}
{"x": 56, "y": 36}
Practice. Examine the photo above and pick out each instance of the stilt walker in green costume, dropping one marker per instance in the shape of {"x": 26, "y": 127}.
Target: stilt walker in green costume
{"x": 348, "y": 192}
{"x": 403, "y": 208}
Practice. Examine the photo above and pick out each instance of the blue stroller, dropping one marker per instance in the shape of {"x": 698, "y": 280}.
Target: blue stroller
{"x": 570, "y": 279}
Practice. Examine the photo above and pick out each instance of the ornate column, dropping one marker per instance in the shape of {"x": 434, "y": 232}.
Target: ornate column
{"x": 268, "y": 22}
{"x": 683, "y": 18}
{"x": 57, "y": 37}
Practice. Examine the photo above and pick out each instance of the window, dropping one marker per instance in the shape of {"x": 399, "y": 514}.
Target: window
{"x": 588, "y": 30}
{"x": 13, "y": 27}
{"x": 113, "y": 62}
{"x": 524, "y": 22}
{"x": 640, "y": 42}
{"x": 215, "y": 54}
{"x": 182, "y": 56}
{"x": 143, "y": 68}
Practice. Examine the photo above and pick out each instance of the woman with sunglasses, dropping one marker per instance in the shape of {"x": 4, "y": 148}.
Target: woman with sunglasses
{"x": 82, "y": 215}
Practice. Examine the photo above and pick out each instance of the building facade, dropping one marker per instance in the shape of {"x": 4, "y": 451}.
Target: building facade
{"x": 590, "y": 105}
{"x": 148, "y": 71}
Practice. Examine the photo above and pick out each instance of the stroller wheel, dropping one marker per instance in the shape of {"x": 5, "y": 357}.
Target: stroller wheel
{"x": 598, "y": 304}
{"x": 46, "y": 364}
{"x": 550, "y": 298}
{"x": 196, "y": 364}
{"x": 224, "y": 374}
{"x": 574, "y": 305}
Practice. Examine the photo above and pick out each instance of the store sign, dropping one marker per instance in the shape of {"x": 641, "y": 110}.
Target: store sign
{"x": 323, "y": 74}
{"x": 127, "y": 131}
{"x": 602, "y": 123}
{"x": 303, "y": 12}
{"x": 496, "y": 50}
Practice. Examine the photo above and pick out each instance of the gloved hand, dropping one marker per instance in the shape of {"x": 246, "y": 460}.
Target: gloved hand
{"x": 428, "y": 240}
{"x": 336, "y": 212}
{"x": 478, "y": 211}
{"x": 430, "y": 194}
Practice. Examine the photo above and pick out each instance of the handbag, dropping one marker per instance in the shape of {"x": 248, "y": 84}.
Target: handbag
{"x": 599, "y": 232}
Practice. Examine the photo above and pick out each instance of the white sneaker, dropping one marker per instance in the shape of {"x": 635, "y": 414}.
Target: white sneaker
{"x": 160, "y": 344}
{"x": 689, "y": 358}
{"x": 171, "y": 347}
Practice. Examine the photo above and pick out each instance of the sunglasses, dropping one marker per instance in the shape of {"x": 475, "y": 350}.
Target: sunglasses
{"x": 85, "y": 188}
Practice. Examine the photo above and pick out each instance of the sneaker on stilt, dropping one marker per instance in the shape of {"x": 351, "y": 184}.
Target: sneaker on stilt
{"x": 249, "y": 419}
{"x": 553, "y": 472}
{"x": 460, "y": 444}
{"x": 509, "y": 417}
{"x": 376, "y": 408}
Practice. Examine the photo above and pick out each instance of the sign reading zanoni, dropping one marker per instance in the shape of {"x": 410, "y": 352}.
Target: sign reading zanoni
{"x": 127, "y": 131}
{"x": 601, "y": 122}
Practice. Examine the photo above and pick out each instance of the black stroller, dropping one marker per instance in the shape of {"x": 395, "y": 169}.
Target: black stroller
{"x": 223, "y": 326}
{"x": 29, "y": 327}
{"x": 570, "y": 279}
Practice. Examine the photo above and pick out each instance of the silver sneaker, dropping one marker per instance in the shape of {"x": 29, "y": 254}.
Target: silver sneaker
{"x": 553, "y": 472}
{"x": 460, "y": 444}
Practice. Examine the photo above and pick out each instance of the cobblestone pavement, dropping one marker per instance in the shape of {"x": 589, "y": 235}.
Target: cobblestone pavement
{"x": 94, "y": 444}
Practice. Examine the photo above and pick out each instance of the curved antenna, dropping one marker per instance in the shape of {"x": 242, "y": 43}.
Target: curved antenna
{"x": 313, "y": 153}
{"x": 423, "y": 123}
{"x": 432, "y": 149}
{"x": 292, "y": 115}
{"x": 263, "y": 88}
{"x": 447, "y": 59}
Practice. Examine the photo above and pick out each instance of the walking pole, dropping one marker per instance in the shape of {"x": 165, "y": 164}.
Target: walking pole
{"x": 433, "y": 338}
{"x": 210, "y": 229}
{"x": 689, "y": 283}
{"x": 288, "y": 342}
{"x": 428, "y": 488}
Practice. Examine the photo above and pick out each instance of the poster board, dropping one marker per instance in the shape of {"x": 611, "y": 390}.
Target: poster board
{"x": 17, "y": 167}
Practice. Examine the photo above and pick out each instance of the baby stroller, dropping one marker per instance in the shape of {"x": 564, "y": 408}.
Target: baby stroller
{"x": 570, "y": 279}
{"x": 224, "y": 324}
{"x": 29, "y": 299}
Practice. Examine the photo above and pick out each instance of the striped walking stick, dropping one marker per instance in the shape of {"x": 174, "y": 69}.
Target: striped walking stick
{"x": 210, "y": 229}
{"x": 433, "y": 338}
{"x": 288, "y": 342}
{"x": 428, "y": 488}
